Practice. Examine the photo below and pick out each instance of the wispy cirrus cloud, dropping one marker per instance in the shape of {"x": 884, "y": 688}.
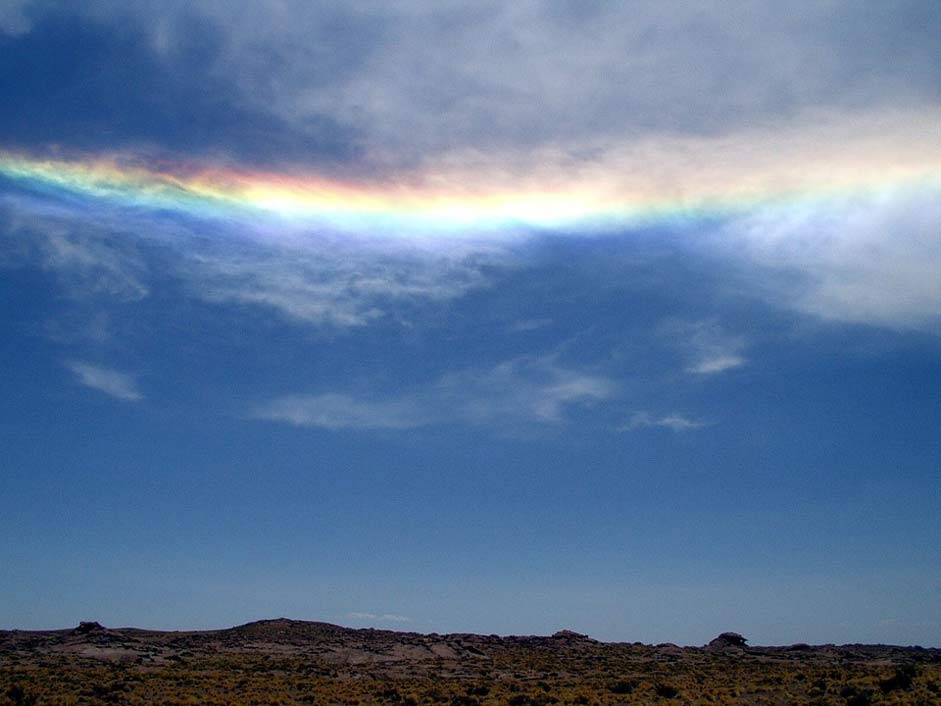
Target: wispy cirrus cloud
{"x": 343, "y": 411}
{"x": 528, "y": 390}
{"x": 306, "y": 278}
{"x": 524, "y": 391}
{"x": 82, "y": 252}
{"x": 318, "y": 282}
{"x": 716, "y": 362}
{"x": 114, "y": 383}
{"x": 673, "y": 422}
{"x": 13, "y": 18}
{"x": 379, "y": 618}
{"x": 707, "y": 347}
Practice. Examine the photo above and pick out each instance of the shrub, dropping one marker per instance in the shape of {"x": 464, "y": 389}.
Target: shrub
{"x": 666, "y": 691}
{"x": 622, "y": 686}
{"x": 902, "y": 679}
{"x": 19, "y": 696}
{"x": 461, "y": 700}
{"x": 862, "y": 698}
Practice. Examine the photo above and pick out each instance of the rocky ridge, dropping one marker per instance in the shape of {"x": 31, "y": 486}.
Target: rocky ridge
{"x": 337, "y": 645}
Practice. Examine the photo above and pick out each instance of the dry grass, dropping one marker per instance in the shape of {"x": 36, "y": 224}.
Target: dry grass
{"x": 308, "y": 663}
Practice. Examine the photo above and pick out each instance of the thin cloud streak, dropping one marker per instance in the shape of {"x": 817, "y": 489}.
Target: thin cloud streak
{"x": 673, "y": 422}
{"x": 112, "y": 382}
{"x": 528, "y": 391}
{"x": 78, "y": 250}
{"x": 716, "y": 363}
{"x": 708, "y": 348}
{"x": 383, "y": 618}
{"x": 13, "y": 19}
{"x": 336, "y": 411}
{"x": 324, "y": 285}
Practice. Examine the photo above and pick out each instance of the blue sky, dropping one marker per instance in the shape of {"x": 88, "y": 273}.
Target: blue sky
{"x": 654, "y": 431}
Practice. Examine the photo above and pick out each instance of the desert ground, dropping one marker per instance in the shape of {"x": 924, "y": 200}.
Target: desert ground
{"x": 295, "y": 662}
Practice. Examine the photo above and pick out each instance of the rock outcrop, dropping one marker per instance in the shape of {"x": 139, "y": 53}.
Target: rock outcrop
{"x": 728, "y": 640}
{"x": 86, "y": 627}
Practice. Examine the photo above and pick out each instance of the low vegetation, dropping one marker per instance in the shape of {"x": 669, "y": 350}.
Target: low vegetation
{"x": 281, "y": 663}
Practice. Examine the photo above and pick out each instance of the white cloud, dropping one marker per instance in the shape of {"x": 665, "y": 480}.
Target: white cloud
{"x": 98, "y": 266}
{"x": 518, "y": 392}
{"x": 542, "y": 71}
{"x": 341, "y": 411}
{"x": 13, "y": 20}
{"x": 524, "y": 390}
{"x": 320, "y": 283}
{"x": 674, "y": 422}
{"x": 539, "y": 72}
{"x": 709, "y": 349}
{"x": 868, "y": 259}
{"x": 112, "y": 382}
{"x": 305, "y": 277}
{"x": 383, "y": 618}
{"x": 616, "y": 98}
{"x": 90, "y": 253}
{"x": 717, "y": 362}
{"x": 527, "y": 325}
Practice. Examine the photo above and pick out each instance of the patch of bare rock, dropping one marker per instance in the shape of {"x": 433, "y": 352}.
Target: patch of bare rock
{"x": 728, "y": 642}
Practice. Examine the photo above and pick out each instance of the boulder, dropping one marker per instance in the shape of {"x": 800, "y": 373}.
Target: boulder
{"x": 727, "y": 640}
{"x": 86, "y": 627}
{"x": 569, "y": 635}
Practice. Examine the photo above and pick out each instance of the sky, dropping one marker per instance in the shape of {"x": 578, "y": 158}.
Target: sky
{"x": 493, "y": 317}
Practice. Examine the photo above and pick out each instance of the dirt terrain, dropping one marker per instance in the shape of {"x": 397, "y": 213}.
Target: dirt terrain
{"x": 294, "y": 662}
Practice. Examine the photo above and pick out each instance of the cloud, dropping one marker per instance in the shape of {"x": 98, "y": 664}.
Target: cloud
{"x": 607, "y": 99}
{"x": 868, "y": 259}
{"x": 527, "y": 325}
{"x": 78, "y": 95}
{"x": 525, "y": 73}
{"x": 93, "y": 265}
{"x": 13, "y": 19}
{"x": 304, "y": 276}
{"x": 322, "y": 283}
{"x": 384, "y": 618}
{"x": 112, "y": 382}
{"x": 715, "y": 363}
{"x": 524, "y": 391}
{"x": 86, "y": 255}
{"x": 708, "y": 348}
{"x": 673, "y": 422}
{"x": 340, "y": 411}
{"x": 553, "y": 72}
